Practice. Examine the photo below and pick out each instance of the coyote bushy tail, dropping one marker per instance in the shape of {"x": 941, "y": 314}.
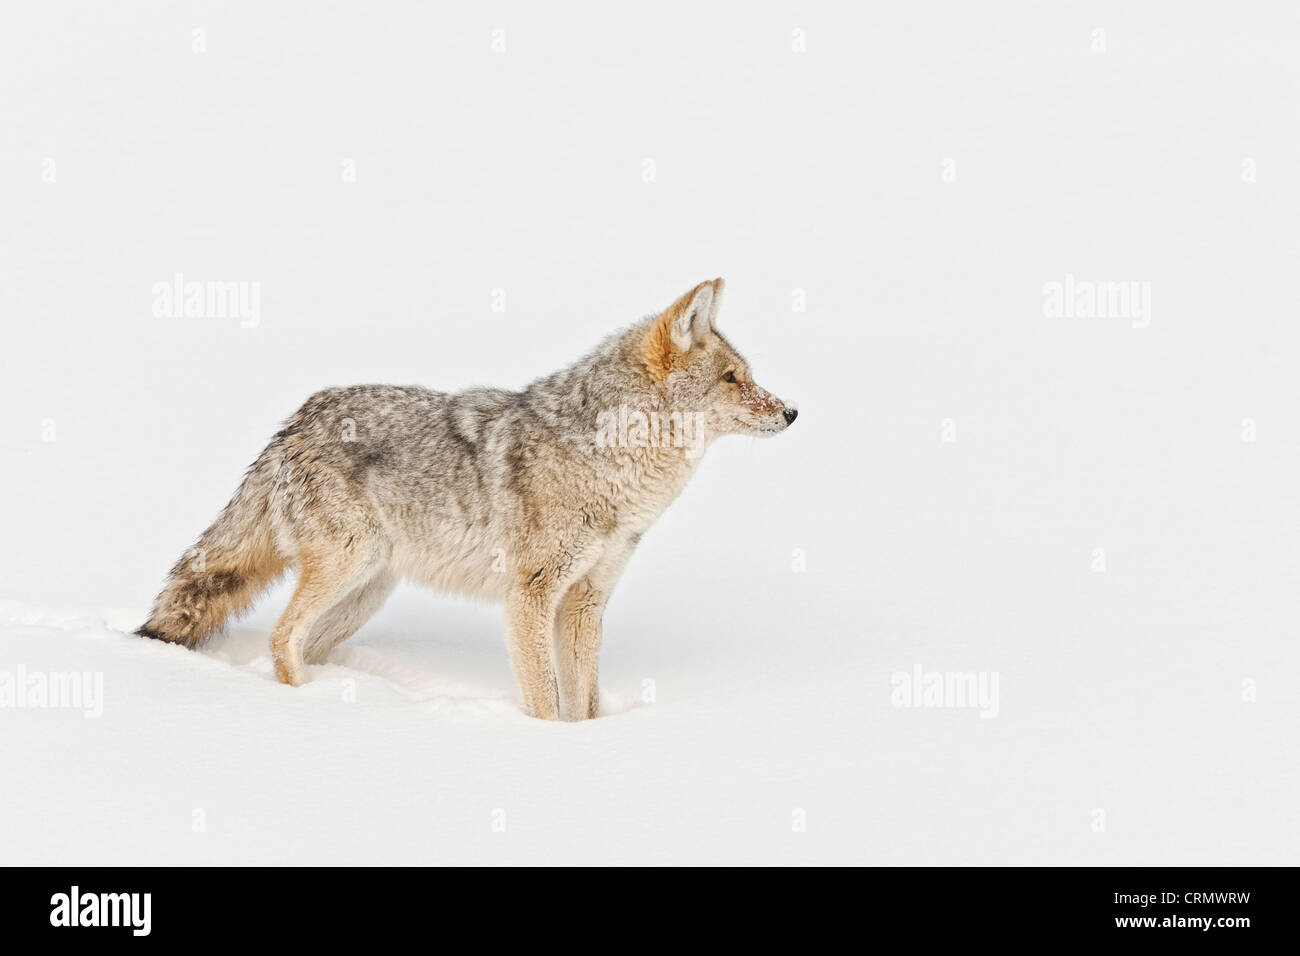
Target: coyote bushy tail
{"x": 233, "y": 562}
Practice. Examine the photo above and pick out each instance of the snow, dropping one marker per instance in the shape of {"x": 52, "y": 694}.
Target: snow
{"x": 409, "y": 747}
{"x": 1097, "y": 512}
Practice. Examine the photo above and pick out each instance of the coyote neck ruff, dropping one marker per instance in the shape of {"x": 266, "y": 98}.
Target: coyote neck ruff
{"x": 535, "y": 498}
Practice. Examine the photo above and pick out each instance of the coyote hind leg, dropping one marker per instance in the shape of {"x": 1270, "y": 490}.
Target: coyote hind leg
{"x": 324, "y": 580}
{"x": 347, "y": 616}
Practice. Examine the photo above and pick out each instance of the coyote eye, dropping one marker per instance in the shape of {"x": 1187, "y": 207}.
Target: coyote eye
{"x": 729, "y": 377}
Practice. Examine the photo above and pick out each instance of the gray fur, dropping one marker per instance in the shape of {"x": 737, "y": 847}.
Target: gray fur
{"x": 520, "y": 497}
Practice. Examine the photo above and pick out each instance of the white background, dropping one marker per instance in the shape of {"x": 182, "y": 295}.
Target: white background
{"x": 1124, "y": 691}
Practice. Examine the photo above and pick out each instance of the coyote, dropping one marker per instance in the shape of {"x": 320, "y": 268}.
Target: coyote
{"x": 536, "y": 498}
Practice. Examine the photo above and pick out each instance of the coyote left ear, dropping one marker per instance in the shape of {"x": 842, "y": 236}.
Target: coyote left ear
{"x": 695, "y": 319}
{"x": 686, "y": 322}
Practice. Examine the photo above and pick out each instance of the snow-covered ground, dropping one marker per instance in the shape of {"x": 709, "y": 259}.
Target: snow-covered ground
{"x": 763, "y": 729}
{"x": 1091, "y": 518}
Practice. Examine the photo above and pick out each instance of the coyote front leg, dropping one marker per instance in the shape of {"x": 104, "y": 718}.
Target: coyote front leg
{"x": 531, "y": 606}
{"x": 577, "y": 649}
{"x": 530, "y": 612}
{"x": 578, "y": 627}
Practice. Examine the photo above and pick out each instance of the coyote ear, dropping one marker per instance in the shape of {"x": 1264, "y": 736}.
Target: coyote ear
{"x": 684, "y": 323}
{"x": 695, "y": 314}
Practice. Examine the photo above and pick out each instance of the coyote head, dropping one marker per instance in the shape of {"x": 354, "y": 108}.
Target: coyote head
{"x": 702, "y": 375}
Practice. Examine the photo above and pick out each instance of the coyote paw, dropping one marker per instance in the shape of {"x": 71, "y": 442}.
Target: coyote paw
{"x": 293, "y": 676}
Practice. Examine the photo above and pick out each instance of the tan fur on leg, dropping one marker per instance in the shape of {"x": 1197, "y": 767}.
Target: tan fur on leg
{"x": 346, "y": 617}
{"x": 529, "y": 619}
{"x": 324, "y": 580}
{"x": 578, "y": 631}
{"x": 577, "y": 650}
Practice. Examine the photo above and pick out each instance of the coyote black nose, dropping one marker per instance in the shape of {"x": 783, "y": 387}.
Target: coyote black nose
{"x": 790, "y": 415}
